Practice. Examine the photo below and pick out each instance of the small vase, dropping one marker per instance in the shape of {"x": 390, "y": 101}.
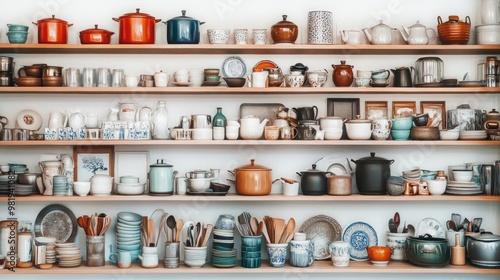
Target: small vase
{"x": 219, "y": 123}
{"x": 160, "y": 121}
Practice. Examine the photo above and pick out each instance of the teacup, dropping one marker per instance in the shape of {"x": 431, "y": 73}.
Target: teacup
{"x": 271, "y": 132}
{"x": 149, "y": 260}
{"x": 364, "y": 73}
{"x": 382, "y": 73}
{"x": 380, "y": 81}
{"x": 362, "y": 82}
{"x": 381, "y": 134}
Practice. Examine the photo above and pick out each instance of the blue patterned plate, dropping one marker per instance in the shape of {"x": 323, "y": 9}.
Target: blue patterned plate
{"x": 360, "y": 235}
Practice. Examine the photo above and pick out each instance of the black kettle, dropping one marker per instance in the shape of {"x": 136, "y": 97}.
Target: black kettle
{"x": 306, "y": 113}
{"x": 402, "y": 76}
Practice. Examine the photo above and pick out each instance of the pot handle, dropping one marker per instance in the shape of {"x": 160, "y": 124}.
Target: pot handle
{"x": 157, "y": 20}
{"x": 70, "y": 24}
{"x": 298, "y": 173}
{"x": 440, "y": 21}
{"x": 35, "y": 23}
{"x": 428, "y": 251}
{"x": 232, "y": 181}
{"x": 202, "y": 22}
{"x": 231, "y": 172}
{"x": 353, "y": 161}
{"x": 391, "y": 161}
{"x": 115, "y": 19}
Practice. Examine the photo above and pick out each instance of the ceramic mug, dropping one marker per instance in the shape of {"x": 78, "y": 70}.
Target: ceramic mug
{"x": 123, "y": 259}
{"x": 277, "y": 254}
{"x": 149, "y": 260}
{"x": 301, "y": 253}
{"x": 396, "y": 241}
{"x": 259, "y": 36}
{"x": 288, "y": 133}
{"x": 257, "y": 79}
{"x": 290, "y": 189}
{"x": 241, "y": 36}
{"x": 340, "y": 253}
{"x": 271, "y": 132}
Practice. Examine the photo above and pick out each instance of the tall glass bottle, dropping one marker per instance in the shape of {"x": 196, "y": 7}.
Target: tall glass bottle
{"x": 160, "y": 121}
{"x": 219, "y": 123}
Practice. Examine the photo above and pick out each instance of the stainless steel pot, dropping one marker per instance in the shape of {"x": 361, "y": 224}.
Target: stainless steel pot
{"x": 484, "y": 249}
{"x": 6, "y": 64}
{"x": 428, "y": 70}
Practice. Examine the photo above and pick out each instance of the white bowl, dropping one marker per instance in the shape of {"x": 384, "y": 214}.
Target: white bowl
{"x": 199, "y": 184}
{"x": 462, "y": 175}
{"x": 359, "y": 131}
{"x": 130, "y": 188}
{"x": 218, "y": 36}
{"x": 81, "y": 188}
{"x": 488, "y": 34}
{"x": 201, "y": 133}
{"x": 362, "y": 82}
{"x": 333, "y": 133}
{"x": 449, "y": 134}
{"x": 436, "y": 187}
{"x": 330, "y": 122}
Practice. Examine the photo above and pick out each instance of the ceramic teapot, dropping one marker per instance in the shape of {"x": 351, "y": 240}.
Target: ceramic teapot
{"x": 418, "y": 34}
{"x": 492, "y": 120}
{"x": 101, "y": 184}
{"x": 251, "y": 128}
{"x": 294, "y": 79}
{"x": 77, "y": 120}
{"x": 380, "y": 34}
{"x": 58, "y": 119}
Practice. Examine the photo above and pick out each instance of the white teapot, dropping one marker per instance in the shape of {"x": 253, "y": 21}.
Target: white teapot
{"x": 418, "y": 34}
{"x": 101, "y": 184}
{"x": 58, "y": 119}
{"x": 380, "y": 34}
{"x": 251, "y": 128}
{"x": 77, "y": 120}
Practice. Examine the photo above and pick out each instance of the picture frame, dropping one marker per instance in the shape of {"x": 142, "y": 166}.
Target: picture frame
{"x": 376, "y": 110}
{"x": 435, "y": 109}
{"x": 403, "y": 109}
{"x": 346, "y": 108}
{"x": 135, "y": 163}
{"x": 90, "y": 160}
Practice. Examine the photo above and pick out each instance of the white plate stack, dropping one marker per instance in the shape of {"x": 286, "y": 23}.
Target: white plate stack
{"x": 68, "y": 255}
{"x": 473, "y": 135}
{"x": 462, "y": 188}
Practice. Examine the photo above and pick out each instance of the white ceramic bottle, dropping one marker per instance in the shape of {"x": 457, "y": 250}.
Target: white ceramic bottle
{"x": 160, "y": 121}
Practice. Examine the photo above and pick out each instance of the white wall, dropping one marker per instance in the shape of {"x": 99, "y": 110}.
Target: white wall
{"x": 284, "y": 161}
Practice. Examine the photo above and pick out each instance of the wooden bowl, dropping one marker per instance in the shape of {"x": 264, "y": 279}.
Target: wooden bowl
{"x": 235, "y": 82}
{"x": 424, "y": 133}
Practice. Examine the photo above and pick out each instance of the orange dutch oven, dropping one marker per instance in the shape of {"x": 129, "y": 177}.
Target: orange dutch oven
{"x": 52, "y": 30}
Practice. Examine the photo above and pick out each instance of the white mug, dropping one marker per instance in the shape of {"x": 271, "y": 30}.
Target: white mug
{"x": 257, "y": 79}
{"x": 131, "y": 81}
{"x": 340, "y": 253}
{"x": 149, "y": 260}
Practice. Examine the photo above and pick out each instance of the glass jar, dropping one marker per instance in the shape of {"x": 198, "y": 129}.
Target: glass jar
{"x": 160, "y": 121}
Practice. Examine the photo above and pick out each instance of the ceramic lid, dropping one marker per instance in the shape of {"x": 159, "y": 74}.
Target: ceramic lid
{"x": 485, "y": 236}
{"x": 359, "y": 120}
{"x": 285, "y": 23}
{"x": 493, "y": 113}
{"x": 253, "y": 167}
{"x": 137, "y": 14}
{"x": 417, "y": 25}
{"x": 382, "y": 25}
{"x": 183, "y": 17}
{"x": 372, "y": 158}
{"x": 159, "y": 163}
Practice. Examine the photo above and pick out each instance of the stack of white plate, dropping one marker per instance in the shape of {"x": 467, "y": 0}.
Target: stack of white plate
{"x": 68, "y": 255}
{"x": 473, "y": 135}
{"x": 23, "y": 190}
{"x": 128, "y": 233}
{"x": 50, "y": 253}
{"x": 462, "y": 188}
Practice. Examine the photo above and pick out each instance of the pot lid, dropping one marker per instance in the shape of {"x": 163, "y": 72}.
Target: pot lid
{"x": 96, "y": 30}
{"x": 456, "y": 20}
{"x": 52, "y": 19}
{"x": 417, "y": 25}
{"x": 485, "y": 236}
{"x": 382, "y": 25}
{"x": 313, "y": 170}
{"x": 299, "y": 66}
{"x": 253, "y": 167}
{"x": 183, "y": 17}
{"x": 428, "y": 238}
{"x": 159, "y": 163}
{"x": 372, "y": 158}
{"x": 137, "y": 14}
{"x": 493, "y": 113}
{"x": 342, "y": 64}
{"x": 285, "y": 23}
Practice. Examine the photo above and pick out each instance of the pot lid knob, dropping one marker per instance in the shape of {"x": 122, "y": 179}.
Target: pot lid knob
{"x": 372, "y": 154}
{"x": 284, "y": 17}
{"x": 252, "y": 162}
{"x": 95, "y": 25}
{"x": 137, "y": 10}
{"x": 183, "y": 12}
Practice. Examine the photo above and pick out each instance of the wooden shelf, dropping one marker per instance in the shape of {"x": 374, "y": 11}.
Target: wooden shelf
{"x": 246, "y": 90}
{"x": 260, "y": 199}
{"x": 205, "y": 49}
{"x": 318, "y": 267}
{"x": 250, "y": 143}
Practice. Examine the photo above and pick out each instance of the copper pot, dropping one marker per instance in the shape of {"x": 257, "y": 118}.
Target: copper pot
{"x": 95, "y": 36}
{"x": 342, "y": 74}
{"x": 284, "y": 32}
{"x": 52, "y": 31}
{"x": 252, "y": 179}
{"x": 137, "y": 28}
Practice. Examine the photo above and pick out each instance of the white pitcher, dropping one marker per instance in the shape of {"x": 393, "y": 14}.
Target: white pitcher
{"x": 257, "y": 79}
{"x": 490, "y": 11}
{"x": 58, "y": 119}
{"x": 77, "y": 120}
{"x": 351, "y": 37}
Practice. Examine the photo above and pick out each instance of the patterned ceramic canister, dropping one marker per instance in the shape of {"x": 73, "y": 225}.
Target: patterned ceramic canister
{"x": 396, "y": 241}
{"x": 340, "y": 253}
{"x": 277, "y": 254}
{"x": 301, "y": 253}
{"x": 320, "y": 27}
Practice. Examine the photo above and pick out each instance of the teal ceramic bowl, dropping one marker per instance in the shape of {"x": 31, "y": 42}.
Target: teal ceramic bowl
{"x": 400, "y": 134}
{"x": 402, "y": 123}
{"x": 18, "y": 27}
{"x": 17, "y": 37}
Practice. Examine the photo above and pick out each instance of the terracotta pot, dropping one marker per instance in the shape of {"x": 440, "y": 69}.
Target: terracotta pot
{"x": 252, "y": 179}
{"x": 137, "y": 28}
{"x": 454, "y": 31}
{"x": 95, "y": 36}
{"x": 342, "y": 74}
{"x": 284, "y": 32}
{"x": 52, "y": 31}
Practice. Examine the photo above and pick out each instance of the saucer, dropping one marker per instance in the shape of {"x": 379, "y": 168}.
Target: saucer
{"x": 181, "y": 84}
{"x": 378, "y": 85}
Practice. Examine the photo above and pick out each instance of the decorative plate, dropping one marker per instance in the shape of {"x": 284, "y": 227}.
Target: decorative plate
{"x": 56, "y": 221}
{"x": 234, "y": 67}
{"x": 29, "y": 119}
{"x": 430, "y": 226}
{"x": 321, "y": 230}
{"x": 360, "y": 235}
{"x": 264, "y": 64}
{"x": 335, "y": 164}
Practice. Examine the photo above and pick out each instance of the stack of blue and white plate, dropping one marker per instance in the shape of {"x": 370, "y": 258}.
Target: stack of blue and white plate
{"x": 60, "y": 185}
{"x": 128, "y": 233}
{"x": 223, "y": 251}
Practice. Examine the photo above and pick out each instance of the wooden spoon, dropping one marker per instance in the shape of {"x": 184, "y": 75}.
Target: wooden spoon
{"x": 83, "y": 224}
{"x": 178, "y": 227}
{"x": 263, "y": 227}
{"x": 290, "y": 229}
{"x": 254, "y": 224}
{"x": 207, "y": 232}
{"x": 279, "y": 226}
{"x": 289, "y": 181}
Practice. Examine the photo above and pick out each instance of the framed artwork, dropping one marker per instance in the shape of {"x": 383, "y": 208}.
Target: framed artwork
{"x": 346, "y": 108}
{"x": 376, "y": 110}
{"x": 436, "y": 111}
{"x": 132, "y": 164}
{"x": 91, "y": 160}
{"x": 403, "y": 109}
